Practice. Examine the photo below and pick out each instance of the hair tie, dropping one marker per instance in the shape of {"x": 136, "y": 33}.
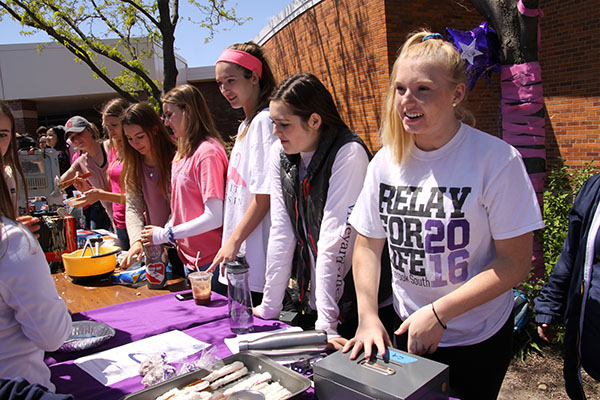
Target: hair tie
{"x": 433, "y": 36}
{"x": 243, "y": 59}
{"x": 438, "y": 318}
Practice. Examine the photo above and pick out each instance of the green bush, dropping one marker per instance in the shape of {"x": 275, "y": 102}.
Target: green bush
{"x": 562, "y": 186}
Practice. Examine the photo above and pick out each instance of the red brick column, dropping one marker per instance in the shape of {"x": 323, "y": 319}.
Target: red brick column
{"x": 26, "y": 116}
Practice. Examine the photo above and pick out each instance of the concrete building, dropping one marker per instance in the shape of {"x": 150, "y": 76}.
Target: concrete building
{"x": 44, "y": 85}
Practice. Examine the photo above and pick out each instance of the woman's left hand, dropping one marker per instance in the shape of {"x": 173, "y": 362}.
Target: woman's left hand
{"x": 146, "y": 235}
{"x": 31, "y": 223}
{"x": 82, "y": 184}
{"x": 337, "y": 343}
{"x": 89, "y": 197}
{"x": 92, "y": 195}
{"x": 424, "y": 331}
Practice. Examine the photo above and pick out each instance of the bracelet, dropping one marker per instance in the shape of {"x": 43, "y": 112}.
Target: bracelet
{"x": 438, "y": 318}
{"x": 170, "y": 234}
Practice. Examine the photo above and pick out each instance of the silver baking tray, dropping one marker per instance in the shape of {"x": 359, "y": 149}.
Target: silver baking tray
{"x": 287, "y": 378}
{"x": 87, "y": 335}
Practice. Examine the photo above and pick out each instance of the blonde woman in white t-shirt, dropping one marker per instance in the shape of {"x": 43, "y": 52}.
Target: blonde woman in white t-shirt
{"x": 458, "y": 210}
{"x": 246, "y": 81}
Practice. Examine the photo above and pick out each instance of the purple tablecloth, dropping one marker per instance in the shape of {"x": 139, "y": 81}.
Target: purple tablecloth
{"x": 139, "y": 319}
{"x": 142, "y": 318}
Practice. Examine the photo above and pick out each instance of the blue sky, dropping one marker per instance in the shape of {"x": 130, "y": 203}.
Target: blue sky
{"x": 189, "y": 39}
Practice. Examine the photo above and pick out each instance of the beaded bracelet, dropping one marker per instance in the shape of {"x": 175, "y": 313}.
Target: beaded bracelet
{"x": 438, "y": 318}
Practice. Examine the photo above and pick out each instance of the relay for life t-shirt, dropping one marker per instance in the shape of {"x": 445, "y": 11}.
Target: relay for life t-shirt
{"x": 441, "y": 212}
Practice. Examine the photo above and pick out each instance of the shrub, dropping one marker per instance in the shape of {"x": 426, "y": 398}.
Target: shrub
{"x": 562, "y": 186}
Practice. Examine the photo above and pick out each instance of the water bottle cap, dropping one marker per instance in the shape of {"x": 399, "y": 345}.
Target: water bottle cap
{"x": 237, "y": 266}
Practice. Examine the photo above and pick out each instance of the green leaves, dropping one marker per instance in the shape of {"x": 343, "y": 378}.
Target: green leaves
{"x": 134, "y": 27}
{"x": 562, "y": 186}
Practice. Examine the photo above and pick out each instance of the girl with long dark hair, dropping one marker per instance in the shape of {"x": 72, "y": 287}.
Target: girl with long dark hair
{"x": 148, "y": 152}
{"x": 316, "y": 172}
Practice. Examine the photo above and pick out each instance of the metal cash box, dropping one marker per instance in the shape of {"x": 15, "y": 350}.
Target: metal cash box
{"x": 401, "y": 376}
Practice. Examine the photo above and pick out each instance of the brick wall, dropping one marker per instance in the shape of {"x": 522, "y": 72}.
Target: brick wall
{"x": 343, "y": 43}
{"x": 570, "y": 61}
{"x": 351, "y": 45}
{"x": 26, "y": 116}
{"x": 226, "y": 118}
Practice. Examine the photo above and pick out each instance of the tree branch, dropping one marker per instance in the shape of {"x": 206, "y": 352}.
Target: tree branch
{"x": 68, "y": 44}
{"x": 175, "y": 14}
{"x": 103, "y": 52}
{"x": 143, "y": 11}
{"x": 65, "y": 21}
{"x": 113, "y": 28}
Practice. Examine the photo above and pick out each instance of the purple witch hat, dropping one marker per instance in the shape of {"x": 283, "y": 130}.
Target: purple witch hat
{"x": 479, "y": 48}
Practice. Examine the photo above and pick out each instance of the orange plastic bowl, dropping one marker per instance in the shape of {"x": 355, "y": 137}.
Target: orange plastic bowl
{"x": 90, "y": 266}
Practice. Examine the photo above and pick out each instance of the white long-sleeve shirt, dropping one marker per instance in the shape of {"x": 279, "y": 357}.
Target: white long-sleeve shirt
{"x": 336, "y": 238}
{"x": 33, "y": 318}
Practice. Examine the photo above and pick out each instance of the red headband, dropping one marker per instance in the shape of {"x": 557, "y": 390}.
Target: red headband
{"x": 243, "y": 59}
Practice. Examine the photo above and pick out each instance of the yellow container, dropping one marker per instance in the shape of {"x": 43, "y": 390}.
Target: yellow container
{"x": 91, "y": 265}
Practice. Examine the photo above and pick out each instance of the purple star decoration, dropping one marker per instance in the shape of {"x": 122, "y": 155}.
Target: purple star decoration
{"x": 479, "y": 48}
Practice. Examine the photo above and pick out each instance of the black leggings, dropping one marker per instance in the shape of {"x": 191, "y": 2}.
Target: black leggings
{"x": 476, "y": 371}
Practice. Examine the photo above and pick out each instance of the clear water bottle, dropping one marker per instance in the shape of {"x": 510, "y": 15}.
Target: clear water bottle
{"x": 241, "y": 319}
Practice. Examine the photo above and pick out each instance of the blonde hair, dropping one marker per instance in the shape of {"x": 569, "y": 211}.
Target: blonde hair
{"x": 7, "y": 208}
{"x": 197, "y": 121}
{"x": 115, "y": 108}
{"x": 443, "y": 53}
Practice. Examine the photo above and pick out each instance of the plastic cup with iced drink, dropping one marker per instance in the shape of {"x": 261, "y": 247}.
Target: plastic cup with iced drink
{"x": 200, "y": 282}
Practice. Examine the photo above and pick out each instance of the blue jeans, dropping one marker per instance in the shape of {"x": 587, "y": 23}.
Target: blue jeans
{"x": 123, "y": 238}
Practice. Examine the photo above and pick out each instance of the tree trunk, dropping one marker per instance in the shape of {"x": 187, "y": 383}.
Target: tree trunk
{"x": 522, "y": 101}
{"x": 517, "y": 33}
{"x": 167, "y": 28}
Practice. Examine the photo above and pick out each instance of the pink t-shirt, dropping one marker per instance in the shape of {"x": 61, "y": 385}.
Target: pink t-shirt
{"x": 194, "y": 180}
{"x": 97, "y": 179}
{"x": 115, "y": 167}
{"x": 157, "y": 205}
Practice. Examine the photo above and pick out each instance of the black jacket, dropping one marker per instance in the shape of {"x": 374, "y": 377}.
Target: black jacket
{"x": 562, "y": 295}
{"x": 312, "y": 192}
{"x": 20, "y": 389}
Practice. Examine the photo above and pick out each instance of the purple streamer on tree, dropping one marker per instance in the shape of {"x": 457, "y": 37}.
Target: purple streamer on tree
{"x": 479, "y": 48}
